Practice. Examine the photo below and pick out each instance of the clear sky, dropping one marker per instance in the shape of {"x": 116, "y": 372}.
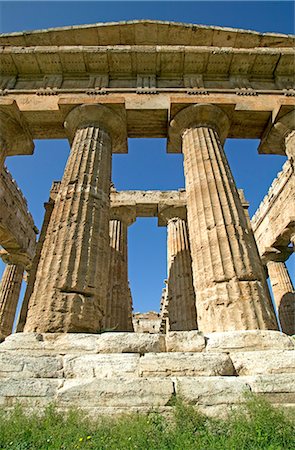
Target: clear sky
{"x": 146, "y": 166}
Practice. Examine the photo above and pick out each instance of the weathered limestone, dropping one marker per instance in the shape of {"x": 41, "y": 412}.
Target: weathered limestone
{"x": 9, "y": 293}
{"x": 185, "y": 364}
{"x": 72, "y": 280}
{"x": 15, "y": 137}
{"x": 226, "y": 266}
{"x": 118, "y": 315}
{"x": 33, "y": 271}
{"x": 263, "y": 362}
{"x": 284, "y": 294}
{"x": 280, "y": 136}
{"x": 76, "y": 287}
{"x": 181, "y": 304}
{"x": 112, "y": 373}
{"x": 273, "y": 223}
{"x": 146, "y": 322}
{"x": 185, "y": 341}
{"x": 17, "y": 228}
{"x": 238, "y": 341}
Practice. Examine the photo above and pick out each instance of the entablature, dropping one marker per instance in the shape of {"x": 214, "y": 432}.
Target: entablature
{"x": 148, "y": 115}
{"x": 72, "y": 67}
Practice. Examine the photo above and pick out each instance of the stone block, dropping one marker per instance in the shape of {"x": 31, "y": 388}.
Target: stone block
{"x": 16, "y": 365}
{"x": 138, "y": 392}
{"x": 277, "y": 388}
{"x": 23, "y": 341}
{"x": 237, "y": 341}
{"x": 211, "y": 390}
{"x": 261, "y": 362}
{"x": 30, "y": 387}
{"x": 130, "y": 343}
{"x": 185, "y": 341}
{"x": 70, "y": 342}
{"x": 101, "y": 366}
{"x": 114, "y": 342}
{"x": 185, "y": 364}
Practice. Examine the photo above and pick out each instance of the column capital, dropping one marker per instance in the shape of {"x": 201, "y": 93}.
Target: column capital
{"x": 16, "y": 259}
{"x": 103, "y": 117}
{"x": 276, "y": 254}
{"x": 195, "y": 116}
{"x": 125, "y": 214}
{"x": 15, "y": 137}
{"x": 277, "y": 136}
{"x": 169, "y": 212}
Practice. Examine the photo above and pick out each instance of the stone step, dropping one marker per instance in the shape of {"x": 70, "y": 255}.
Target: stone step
{"x": 175, "y": 341}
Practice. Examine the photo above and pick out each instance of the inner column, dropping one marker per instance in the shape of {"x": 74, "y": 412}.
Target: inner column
{"x": 119, "y": 302}
{"x": 72, "y": 277}
{"x": 282, "y": 288}
{"x": 180, "y": 296}
{"x": 10, "y": 287}
{"x": 226, "y": 266}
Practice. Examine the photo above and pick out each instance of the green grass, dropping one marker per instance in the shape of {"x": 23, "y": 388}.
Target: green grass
{"x": 256, "y": 426}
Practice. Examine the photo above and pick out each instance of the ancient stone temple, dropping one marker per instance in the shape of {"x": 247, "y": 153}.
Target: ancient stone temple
{"x": 216, "y": 335}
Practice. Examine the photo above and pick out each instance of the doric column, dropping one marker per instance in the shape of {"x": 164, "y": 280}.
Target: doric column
{"x": 33, "y": 271}
{"x": 119, "y": 302}
{"x": 180, "y": 301}
{"x": 226, "y": 266}
{"x": 164, "y": 324}
{"x": 9, "y": 294}
{"x": 282, "y": 288}
{"x": 72, "y": 276}
{"x": 14, "y": 134}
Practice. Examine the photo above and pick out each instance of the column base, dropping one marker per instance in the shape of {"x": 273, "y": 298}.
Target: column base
{"x": 115, "y": 373}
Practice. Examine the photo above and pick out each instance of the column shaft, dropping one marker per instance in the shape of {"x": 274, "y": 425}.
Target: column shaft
{"x": 284, "y": 295}
{"x": 2, "y": 154}
{"x": 226, "y": 266}
{"x": 33, "y": 271}
{"x": 119, "y": 300}
{"x": 181, "y": 303}
{"x": 9, "y": 294}
{"x": 71, "y": 281}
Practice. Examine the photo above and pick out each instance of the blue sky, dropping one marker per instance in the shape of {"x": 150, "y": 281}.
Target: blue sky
{"x": 146, "y": 166}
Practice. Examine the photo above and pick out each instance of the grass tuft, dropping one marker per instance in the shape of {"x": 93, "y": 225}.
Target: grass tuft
{"x": 257, "y": 425}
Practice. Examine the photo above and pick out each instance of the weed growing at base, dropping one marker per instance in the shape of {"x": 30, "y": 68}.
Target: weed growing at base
{"x": 257, "y": 425}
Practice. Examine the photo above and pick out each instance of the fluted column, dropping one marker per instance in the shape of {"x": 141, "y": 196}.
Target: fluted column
{"x": 9, "y": 294}
{"x": 284, "y": 295}
{"x": 72, "y": 277}
{"x": 119, "y": 301}
{"x": 282, "y": 287}
{"x": 181, "y": 301}
{"x": 226, "y": 266}
{"x": 33, "y": 271}
{"x": 290, "y": 152}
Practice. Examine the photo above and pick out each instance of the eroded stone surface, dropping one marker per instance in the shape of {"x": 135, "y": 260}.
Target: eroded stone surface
{"x": 167, "y": 364}
{"x": 138, "y": 392}
{"x": 270, "y": 361}
{"x": 228, "y": 277}
{"x": 102, "y": 366}
{"x": 130, "y": 343}
{"x": 212, "y": 391}
{"x": 51, "y": 342}
{"x": 30, "y": 387}
{"x": 17, "y": 365}
{"x": 232, "y": 341}
{"x": 185, "y": 341}
{"x": 37, "y": 369}
{"x": 10, "y": 287}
